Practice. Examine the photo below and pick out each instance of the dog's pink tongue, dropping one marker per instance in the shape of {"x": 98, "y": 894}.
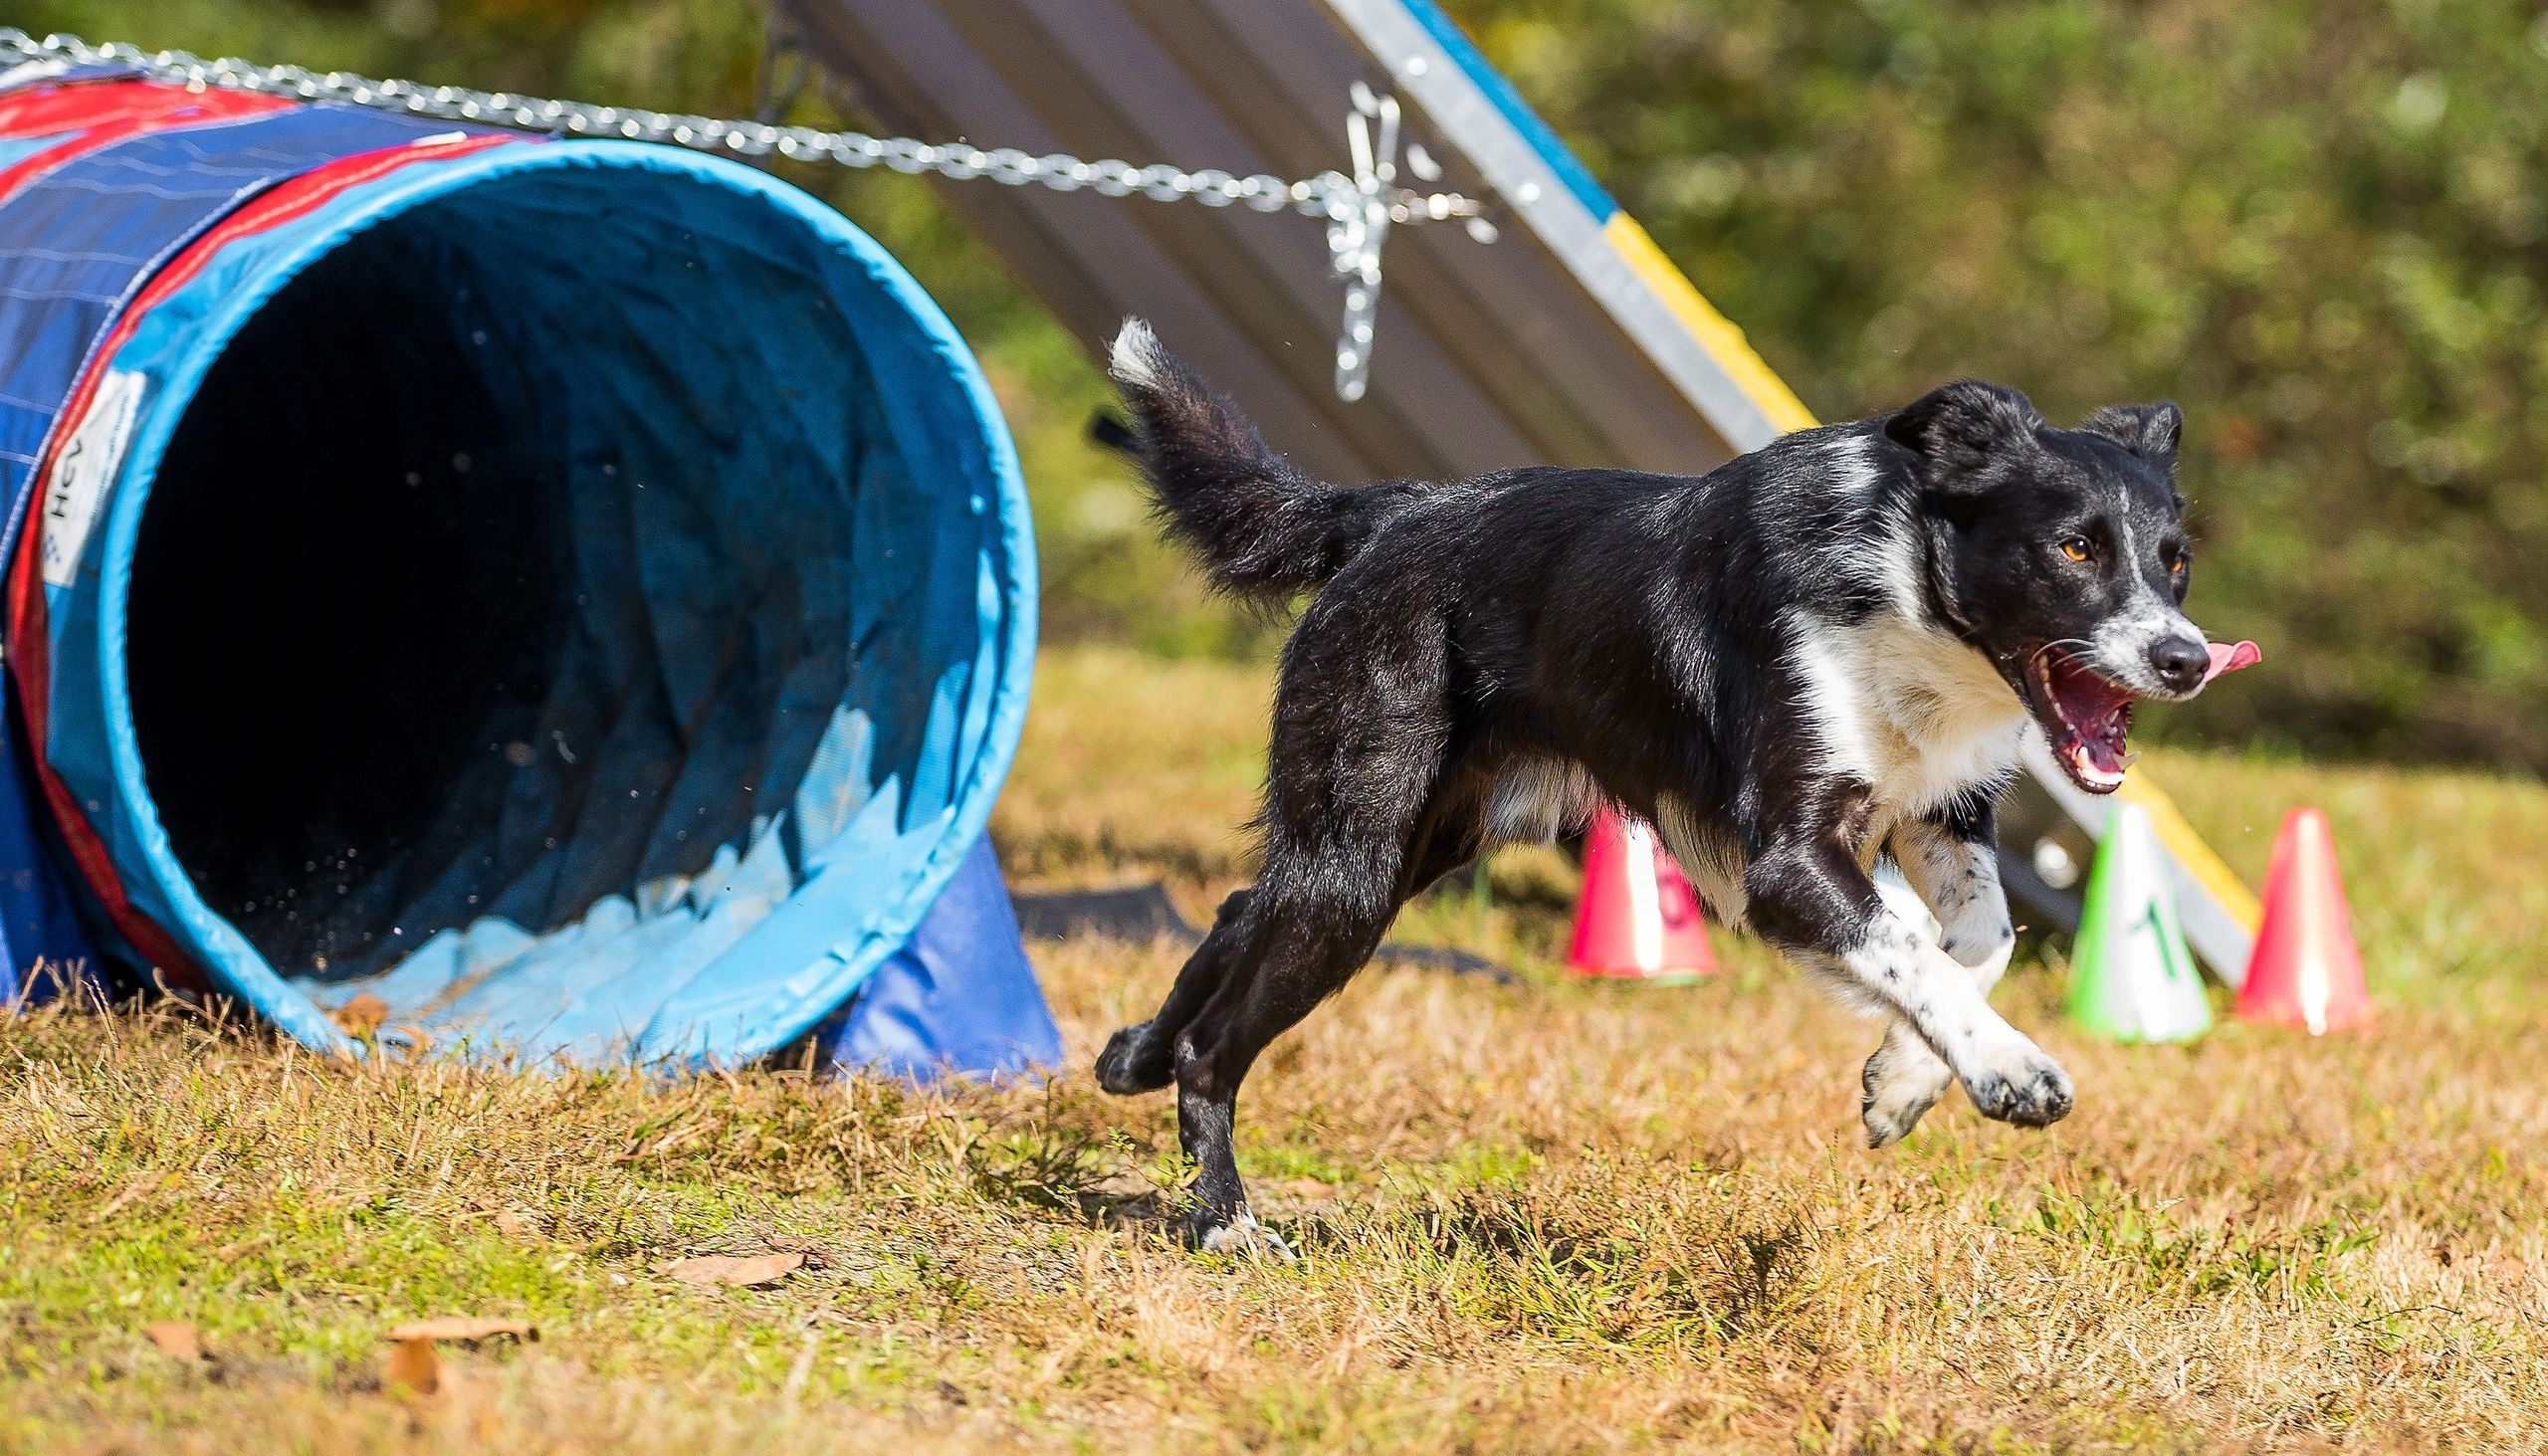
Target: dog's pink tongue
{"x": 2229, "y": 659}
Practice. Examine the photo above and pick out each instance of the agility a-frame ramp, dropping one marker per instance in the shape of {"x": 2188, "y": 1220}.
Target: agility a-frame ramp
{"x": 1569, "y": 338}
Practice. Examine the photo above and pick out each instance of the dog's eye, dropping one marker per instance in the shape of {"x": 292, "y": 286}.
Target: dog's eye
{"x": 2077, "y": 547}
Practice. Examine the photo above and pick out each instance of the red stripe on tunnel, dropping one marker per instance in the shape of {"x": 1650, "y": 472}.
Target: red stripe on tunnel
{"x": 28, "y": 656}
{"x": 90, "y": 115}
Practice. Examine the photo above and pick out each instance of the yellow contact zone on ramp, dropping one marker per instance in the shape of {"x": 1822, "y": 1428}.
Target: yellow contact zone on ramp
{"x": 1716, "y": 333}
{"x": 1733, "y": 354}
{"x": 2178, "y": 837}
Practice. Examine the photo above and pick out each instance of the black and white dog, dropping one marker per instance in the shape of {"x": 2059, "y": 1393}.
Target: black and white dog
{"x": 1817, "y": 655}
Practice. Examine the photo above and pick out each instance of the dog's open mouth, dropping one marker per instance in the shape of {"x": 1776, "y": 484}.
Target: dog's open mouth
{"x": 2086, "y": 717}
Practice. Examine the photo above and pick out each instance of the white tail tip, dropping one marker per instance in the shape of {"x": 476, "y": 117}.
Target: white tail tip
{"x": 1134, "y": 358}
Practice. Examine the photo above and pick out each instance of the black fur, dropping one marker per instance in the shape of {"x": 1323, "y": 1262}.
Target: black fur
{"x": 1260, "y": 527}
{"x": 1654, "y": 634}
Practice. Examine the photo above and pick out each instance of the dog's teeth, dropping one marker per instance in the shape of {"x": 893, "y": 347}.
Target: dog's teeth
{"x": 2089, "y": 769}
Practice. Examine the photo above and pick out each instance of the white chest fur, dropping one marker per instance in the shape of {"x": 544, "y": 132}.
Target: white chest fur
{"x": 1904, "y": 707}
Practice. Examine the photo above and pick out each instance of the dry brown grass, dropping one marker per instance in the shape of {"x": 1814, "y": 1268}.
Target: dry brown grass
{"x": 1545, "y": 1217}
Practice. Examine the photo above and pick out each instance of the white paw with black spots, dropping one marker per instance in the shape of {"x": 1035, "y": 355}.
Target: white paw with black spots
{"x": 2018, "y": 1083}
{"x": 1899, "y": 1090}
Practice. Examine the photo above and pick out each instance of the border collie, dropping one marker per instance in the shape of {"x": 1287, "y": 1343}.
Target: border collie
{"x": 1819, "y": 655}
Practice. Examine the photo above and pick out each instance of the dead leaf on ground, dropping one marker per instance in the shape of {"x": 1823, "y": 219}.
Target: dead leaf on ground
{"x": 1309, "y": 1191}
{"x": 512, "y": 1225}
{"x": 361, "y": 1017}
{"x": 740, "y": 1273}
{"x": 467, "y": 1329}
{"x": 177, "y": 1339}
{"x": 414, "y": 1367}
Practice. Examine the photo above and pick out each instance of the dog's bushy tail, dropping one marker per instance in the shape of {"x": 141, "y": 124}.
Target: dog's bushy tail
{"x": 1262, "y": 529}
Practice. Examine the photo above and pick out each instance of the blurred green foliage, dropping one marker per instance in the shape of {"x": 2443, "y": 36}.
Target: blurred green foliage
{"x": 2322, "y": 227}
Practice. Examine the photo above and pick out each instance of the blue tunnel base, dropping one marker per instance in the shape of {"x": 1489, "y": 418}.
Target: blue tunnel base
{"x": 959, "y": 997}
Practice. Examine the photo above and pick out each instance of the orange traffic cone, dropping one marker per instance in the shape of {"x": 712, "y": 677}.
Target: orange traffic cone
{"x": 2306, "y": 970}
{"x": 1638, "y": 919}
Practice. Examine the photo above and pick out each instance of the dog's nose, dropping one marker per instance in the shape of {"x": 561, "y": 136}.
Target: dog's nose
{"x": 2179, "y": 661}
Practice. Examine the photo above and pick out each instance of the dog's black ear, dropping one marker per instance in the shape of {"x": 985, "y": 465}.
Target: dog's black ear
{"x": 2147, "y": 430}
{"x": 1964, "y": 426}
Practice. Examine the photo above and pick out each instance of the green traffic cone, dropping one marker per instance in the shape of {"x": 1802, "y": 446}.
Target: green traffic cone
{"x": 2130, "y": 976}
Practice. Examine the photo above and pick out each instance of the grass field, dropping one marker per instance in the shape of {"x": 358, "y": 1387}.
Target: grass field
{"x": 1542, "y": 1217}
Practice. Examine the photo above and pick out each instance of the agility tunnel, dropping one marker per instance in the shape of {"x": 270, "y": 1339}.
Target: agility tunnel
{"x": 530, "y": 597}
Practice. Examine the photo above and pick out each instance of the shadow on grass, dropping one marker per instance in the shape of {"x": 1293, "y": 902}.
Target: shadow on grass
{"x": 1549, "y": 1270}
{"x": 1055, "y": 1162}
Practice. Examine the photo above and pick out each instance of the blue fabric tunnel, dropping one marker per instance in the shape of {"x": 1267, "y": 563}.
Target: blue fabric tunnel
{"x": 576, "y": 595}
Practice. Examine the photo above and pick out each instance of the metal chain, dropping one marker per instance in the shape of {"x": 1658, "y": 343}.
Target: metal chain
{"x": 1358, "y": 210}
{"x": 1321, "y": 196}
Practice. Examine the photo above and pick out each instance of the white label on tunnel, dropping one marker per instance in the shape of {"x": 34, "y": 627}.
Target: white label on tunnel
{"x": 88, "y": 462}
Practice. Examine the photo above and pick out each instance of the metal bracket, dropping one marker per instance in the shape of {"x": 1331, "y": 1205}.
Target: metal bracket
{"x": 1360, "y": 211}
{"x": 1358, "y": 224}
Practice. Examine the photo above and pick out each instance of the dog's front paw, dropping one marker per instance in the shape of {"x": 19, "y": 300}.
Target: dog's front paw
{"x": 1902, "y": 1082}
{"x": 1242, "y": 1235}
{"x": 2020, "y": 1085}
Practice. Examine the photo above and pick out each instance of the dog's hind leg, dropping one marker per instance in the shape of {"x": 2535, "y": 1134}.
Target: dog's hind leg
{"x": 1143, "y": 1057}
{"x": 1314, "y": 920}
{"x": 1308, "y": 941}
{"x": 1949, "y": 858}
{"x": 1363, "y": 791}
